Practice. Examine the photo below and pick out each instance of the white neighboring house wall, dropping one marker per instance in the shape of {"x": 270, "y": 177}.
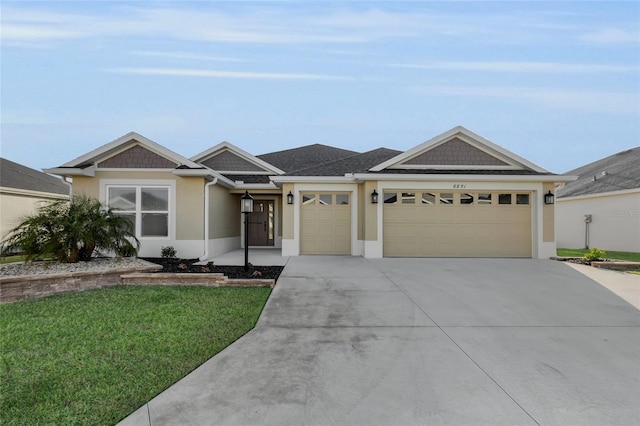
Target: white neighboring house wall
{"x": 615, "y": 221}
{"x": 15, "y": 204}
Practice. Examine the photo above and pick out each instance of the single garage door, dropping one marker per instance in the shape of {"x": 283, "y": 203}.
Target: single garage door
{"x": 325, "y": 223}
{"x": 457, "y": 224}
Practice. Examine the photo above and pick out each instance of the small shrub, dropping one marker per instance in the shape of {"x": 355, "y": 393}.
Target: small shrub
{"x": 595, "y": 254}
{"x": 168, "y": 252}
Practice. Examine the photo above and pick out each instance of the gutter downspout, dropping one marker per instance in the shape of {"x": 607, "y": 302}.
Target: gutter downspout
{"x": 206, "y": 218}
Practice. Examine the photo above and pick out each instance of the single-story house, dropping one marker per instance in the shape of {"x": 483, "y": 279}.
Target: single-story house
{"x": 457, "y": 194}
{"x": 22, "y": 191}
{"x": 602, "y": 207}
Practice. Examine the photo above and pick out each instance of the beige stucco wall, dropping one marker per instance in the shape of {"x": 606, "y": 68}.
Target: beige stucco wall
{"x": 370, "y": 212}
{"x": 189, "y": 197}
{"x": 224, "y": 213}
{"x": 287, "y": 213}
{"x": 14, "y": 206}
{"x": 615, "y": 221}
{"x": 548, "y": 216}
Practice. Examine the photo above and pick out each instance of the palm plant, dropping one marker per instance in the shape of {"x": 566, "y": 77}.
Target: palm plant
{"x": 72, "y": 231}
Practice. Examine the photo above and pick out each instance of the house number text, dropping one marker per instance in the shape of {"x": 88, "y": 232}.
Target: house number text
{"x": 459, "y": 186}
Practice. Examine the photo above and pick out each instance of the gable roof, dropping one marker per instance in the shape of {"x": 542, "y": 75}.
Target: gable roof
{"x": 290, "y": 160}
{"x": 357, "y": 163}
{"x": 457, "y": 149}
{"x": 17, "y": 176}
{"x": 227, "y": 158}
{"x": 617, "y": 172}
{"x": 86, "y": 163}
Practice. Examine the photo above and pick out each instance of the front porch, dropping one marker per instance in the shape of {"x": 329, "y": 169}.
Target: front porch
{"x": 257, "y": 256}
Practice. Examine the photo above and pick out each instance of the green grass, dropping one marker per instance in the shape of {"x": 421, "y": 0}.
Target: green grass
{"x": 95, "y": 357}
{"x": 617, "y": 255}
{"x": 11, "y": 259}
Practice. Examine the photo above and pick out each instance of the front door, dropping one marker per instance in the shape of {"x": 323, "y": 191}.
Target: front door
{"x": 261, "y": 223}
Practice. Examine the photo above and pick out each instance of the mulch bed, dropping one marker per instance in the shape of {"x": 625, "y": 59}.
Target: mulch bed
{"x": 188, "y": 266}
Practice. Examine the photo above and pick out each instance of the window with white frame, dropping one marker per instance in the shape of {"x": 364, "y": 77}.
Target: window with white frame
{"x": 147, "y": 207}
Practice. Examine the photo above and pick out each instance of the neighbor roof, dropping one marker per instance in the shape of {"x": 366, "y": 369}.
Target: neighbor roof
{"x": 305, "y": 157}
{"x": 17, "y": 176}
{"x": 617, "y": 172}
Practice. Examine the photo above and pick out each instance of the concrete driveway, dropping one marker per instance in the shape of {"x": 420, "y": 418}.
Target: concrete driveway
{"x": 346, "y": 340}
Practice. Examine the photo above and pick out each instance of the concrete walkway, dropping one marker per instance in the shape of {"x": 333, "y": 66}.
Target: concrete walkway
{"x": 257, "y": 256}
{"x": 351, "y": 341}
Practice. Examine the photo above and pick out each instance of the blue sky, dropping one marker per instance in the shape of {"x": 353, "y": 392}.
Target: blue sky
{"x": 555, "y": 82}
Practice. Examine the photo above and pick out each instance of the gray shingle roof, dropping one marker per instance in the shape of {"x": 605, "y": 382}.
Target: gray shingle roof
{"x": 357, "y": 163}
{"x": 14, "y": 175}
{"x": 307, "y": 156}
{"x": 617, "y": 172}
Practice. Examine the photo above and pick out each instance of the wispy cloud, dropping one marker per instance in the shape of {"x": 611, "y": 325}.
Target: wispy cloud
{"x": 586, "y": 100}
{"x": 185, "y": 56}
{"x": 522, "y": 67}
{"x": 612, "y": 36}
{"x": 279, "y": 24}
{"x": 247, "y": 75}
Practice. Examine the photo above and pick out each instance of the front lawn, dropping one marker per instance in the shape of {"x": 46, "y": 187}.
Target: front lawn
{"x": 617, "y": 255}
{"x": 95, "y": 357}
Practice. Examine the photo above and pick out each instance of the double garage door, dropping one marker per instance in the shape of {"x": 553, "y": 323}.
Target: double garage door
{"x": 456, "y": 224}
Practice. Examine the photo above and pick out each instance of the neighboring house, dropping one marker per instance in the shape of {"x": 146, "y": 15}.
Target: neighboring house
{"x": 457, "y": 194}
{"x": 22, "y": 191}
{"x": 608, "y": 192}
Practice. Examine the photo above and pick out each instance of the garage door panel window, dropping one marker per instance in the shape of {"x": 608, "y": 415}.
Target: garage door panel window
{"x": 522, "y": 199}
{"x": 408, "y": 198}
{"x": 326, "y": 199}
{"x": 308, "y": 199}
{"x": 428, "y": 198}
{"x": 342, "y": 199}
{"x": 446, "y": 198}
{"x": 504, "y": 199}
{"x": 484, "y": 199}
{"x": 466, "y": 198}
{"x": 390, "y": 198}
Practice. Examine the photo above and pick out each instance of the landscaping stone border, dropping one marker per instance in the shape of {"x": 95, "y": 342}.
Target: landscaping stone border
{"x": 23, "y": 287}
{"x": 199, "y": 279}
{"x": 616, "y": 265}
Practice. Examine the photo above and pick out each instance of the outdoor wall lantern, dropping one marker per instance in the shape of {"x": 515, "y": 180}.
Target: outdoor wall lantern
{"x": 289, "y": 198}
{"x": 549, "y": 198}
{"x": 374, "y": 197}
{"x": 246, "y": 208}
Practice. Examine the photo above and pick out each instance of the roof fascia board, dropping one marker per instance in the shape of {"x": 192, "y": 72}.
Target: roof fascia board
{"x": 31, "y": 193}
{"x": 71, "y": 171}
{"x": 270, "y": 185}
{"x": 470, "y": 178}
{"x": 312, "y": 179}
{"x": 240, "y": 152}
{"x": 449, "y": 134}
{"x": 204, "y": 172}
{"x": 145, "y": 142}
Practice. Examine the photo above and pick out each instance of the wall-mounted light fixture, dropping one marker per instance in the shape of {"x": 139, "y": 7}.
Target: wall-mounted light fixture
{"x": 374, "y": 197}
{"x": 289, "y": 198}
{"x": 549, "y": 198}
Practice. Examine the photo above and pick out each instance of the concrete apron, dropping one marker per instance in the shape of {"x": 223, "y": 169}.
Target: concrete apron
{"x": 346, "y": 340}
